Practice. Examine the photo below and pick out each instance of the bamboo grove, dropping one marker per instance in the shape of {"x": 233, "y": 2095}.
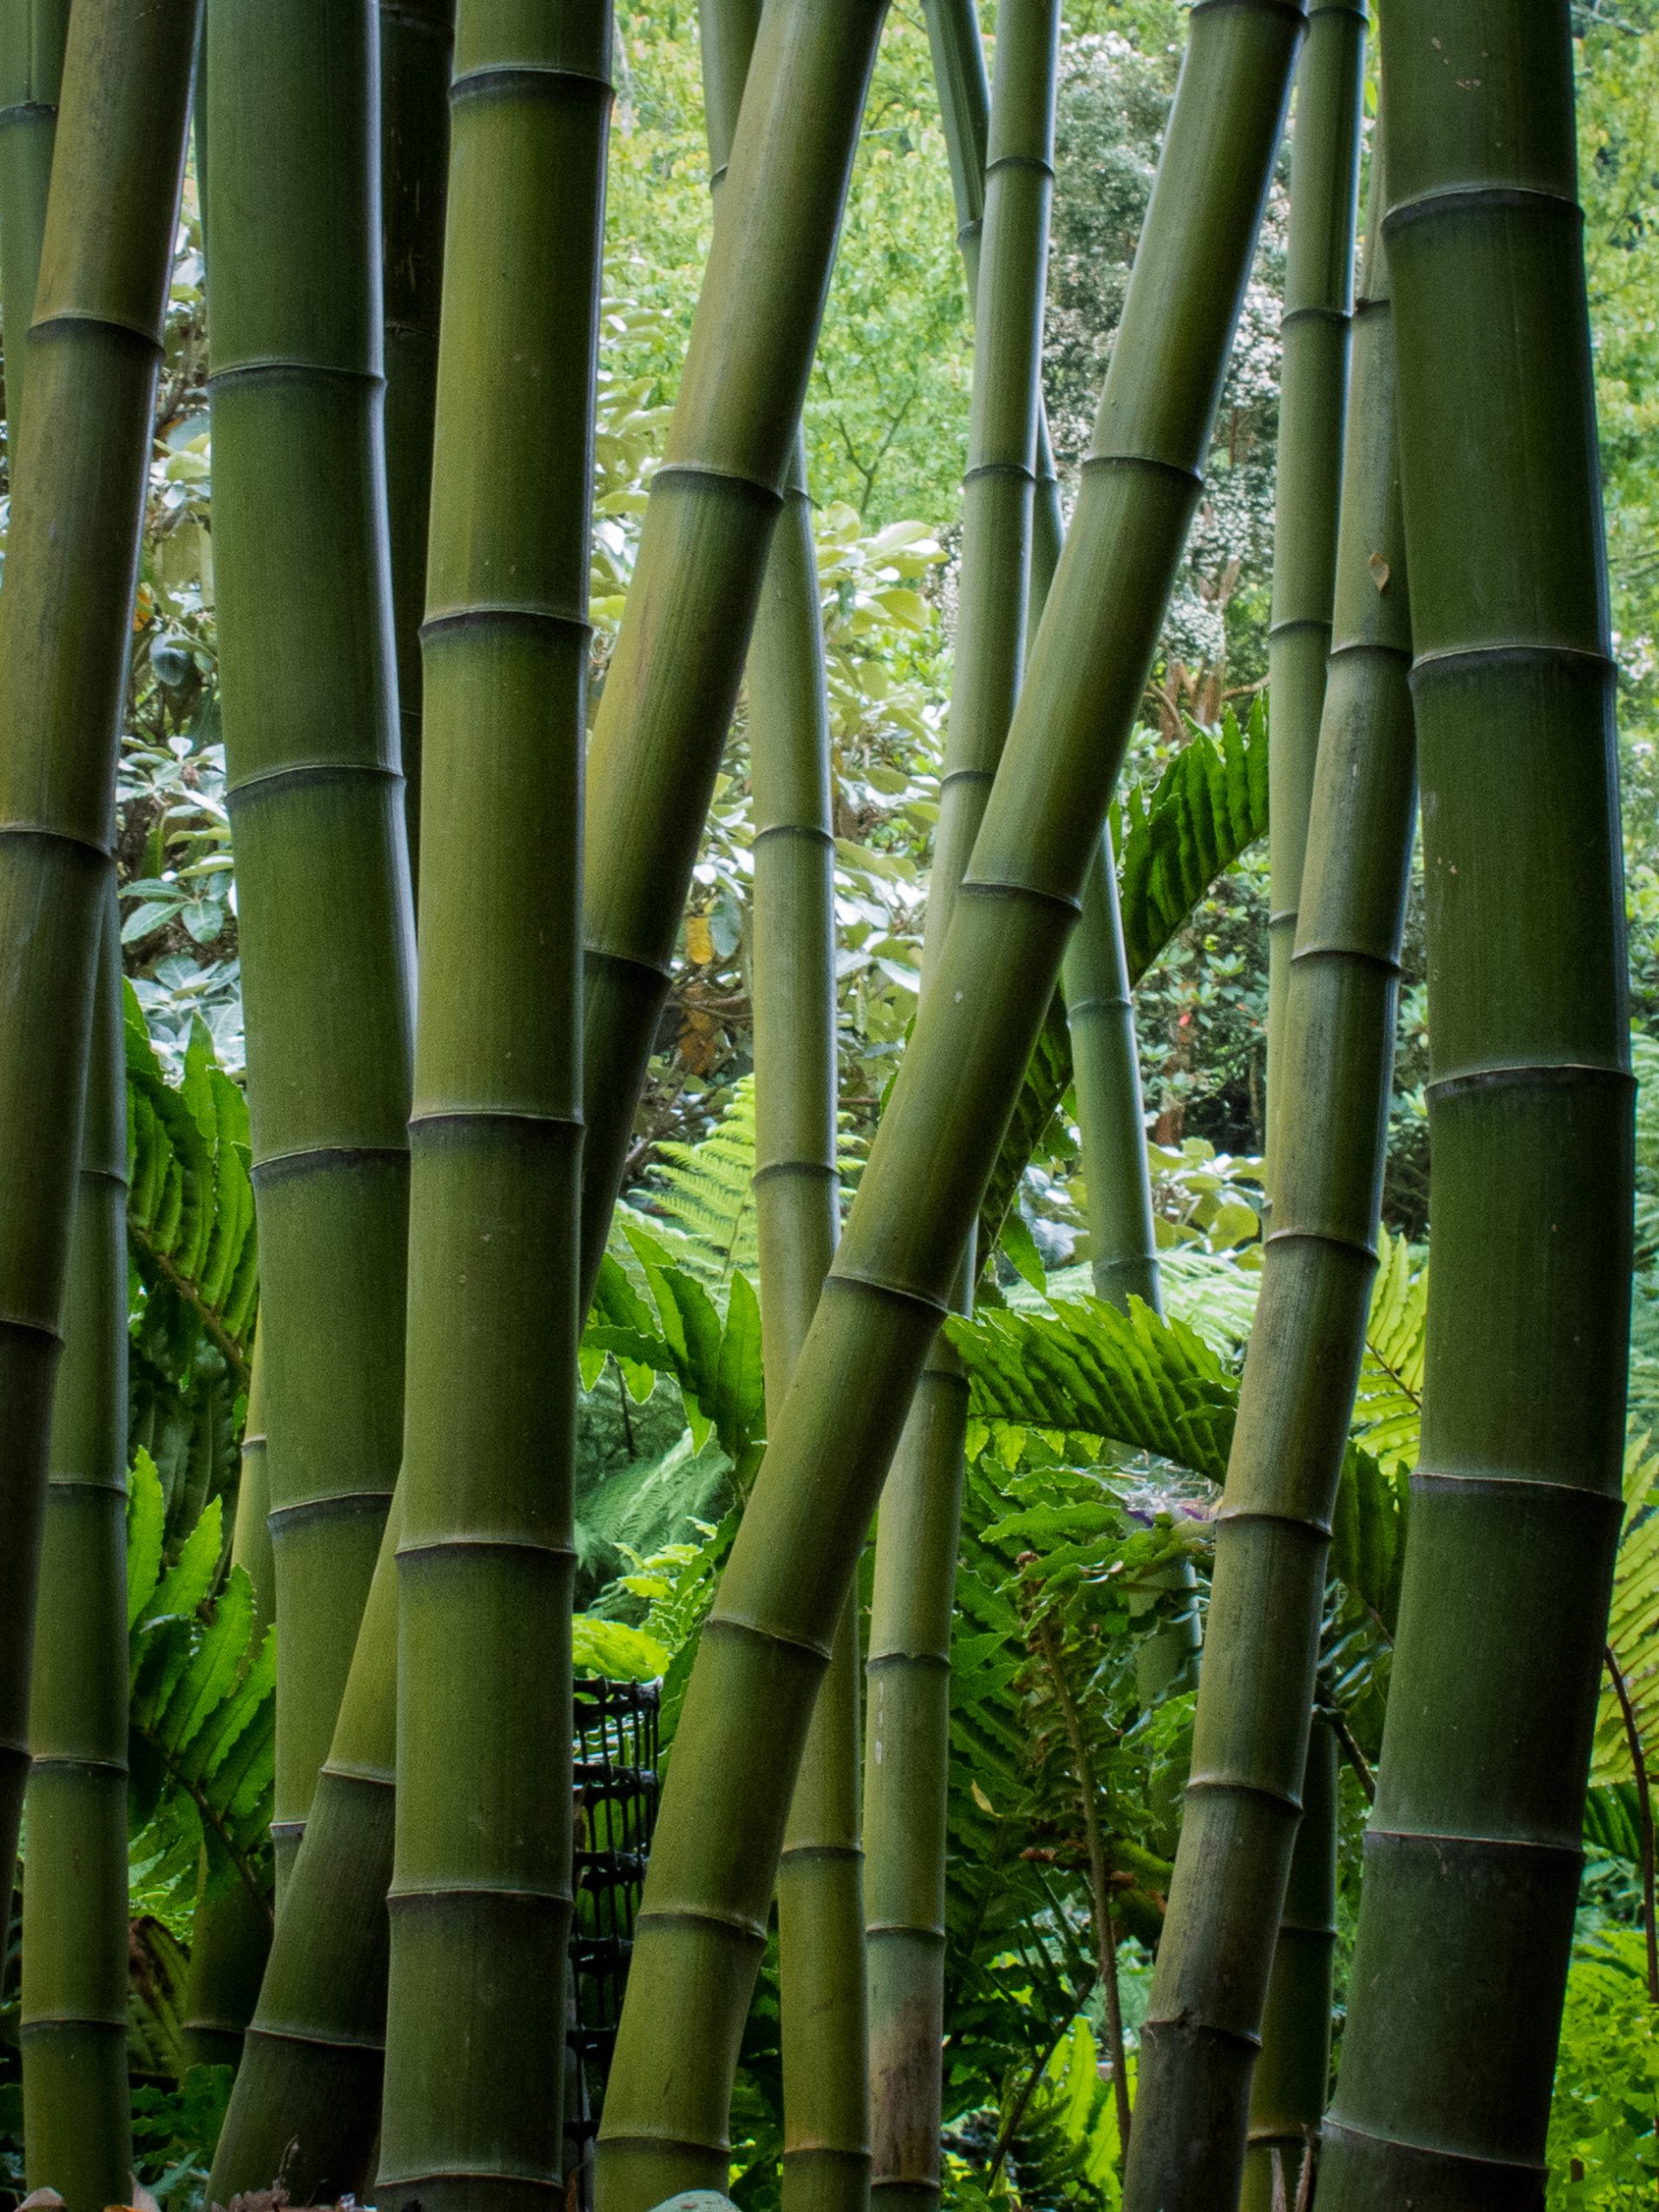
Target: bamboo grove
{"x": 469, "y": 825}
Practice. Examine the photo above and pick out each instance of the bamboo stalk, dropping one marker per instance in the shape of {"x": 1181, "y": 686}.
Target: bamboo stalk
{"x": 316, "y": 803}
{"x": 480, "y": 1898}
{"x": 1250, "y": 1734}
{"x": 416, "y": 47}
{"x": 908, "y": 1726}
{"x": 765, "y": 1648}
{"x": 822, "y": 2002}
{"x": 1315, "y": 339}
{"x": 230, "y": 1937}
{"x": 1473, "y": 1853}
{"x": 79, "y": 484}
{"x": 673, "y": 679}
{"x": 77, "y": 2127}
{"x": 32, "y": 37}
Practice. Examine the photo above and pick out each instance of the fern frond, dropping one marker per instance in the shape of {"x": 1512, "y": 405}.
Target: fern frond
{"x": 1633, "y": 1626}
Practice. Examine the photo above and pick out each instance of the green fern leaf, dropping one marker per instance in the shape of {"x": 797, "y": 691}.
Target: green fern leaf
{"x": 146, "y": 1516}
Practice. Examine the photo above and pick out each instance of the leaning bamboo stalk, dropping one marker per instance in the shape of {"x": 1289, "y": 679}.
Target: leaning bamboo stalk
{"x": 908, "y": 1724}
{"x": 78, "y": 482}
{"x": 230, "y": 1937}
{"x": 764, "y": 1649}
{"x": 822, "y": 1999}
{"x": 76, "y": 2130}
{"x": 417, "y": 45}
{"x": 1473, "y": 1857}
{"x": 673, "y": 679}
{"x": 480, "y": 1898}
{"x": 1312, "y": 400}
{"x": 316, "y": 806}
{"x": 1243, "y": 1796}
{"x": 32, "y": 37}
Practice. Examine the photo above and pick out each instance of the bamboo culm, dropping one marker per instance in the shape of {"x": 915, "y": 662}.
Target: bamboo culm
{"x": 908, "y": 1723}
{"x": 78, "y": 478}
{"x": 1314, "y": 339}
{"x": 32, "y": 38}
{"x": 480, "y": 1898}
{"x": 417, "y": 53}
{"x": 765, "y": 1645}
{"x": 673, "y": 679}
{"x": 230, "y": 1937}
{"x": 77, "y": 2124}
{"x": 316, "y": 807}
{"x": 1243, "y": 1797}
{"x": 822, "y": 2006}
{"x": 1472, "y": 1857}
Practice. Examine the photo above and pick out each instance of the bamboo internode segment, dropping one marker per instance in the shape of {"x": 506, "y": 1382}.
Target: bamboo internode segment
{"x": 78, "y": 493}
{"x": 1473, "y": 1857}
{"x": 673, "y": 679}
{"x": 306, "y": 669}
{"x": 33, "y": 34}
{"x": 481, "y": 1896}
{"x": 76, "y": 2119}
{"x": 1312, "y": 402}
{"x": 1251, "y": 1730}
{"x": 758, "y": 1669}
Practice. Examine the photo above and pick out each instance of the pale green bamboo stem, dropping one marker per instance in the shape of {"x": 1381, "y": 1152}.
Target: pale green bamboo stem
{"x": 79, "y": 483}
{"x": 306, "y": 669}
{"x": 77, "y": 2129}
{"x": 32, "y": 36}
{"x": 1473, "y": 1857}
{"x": 908, "y": 1726}
{"x": 765, "y": 1648}
{"x": 480, "y": 1898}
{"x": 1244, "y": 1800}
{"x": 1312, "y": 400}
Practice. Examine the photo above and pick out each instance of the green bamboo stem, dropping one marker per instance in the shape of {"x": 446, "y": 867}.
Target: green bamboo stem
{"x": 1244, "y": 1800}
{"x": 765, "y": 1645}
{"x": 230, "y": 1938}
{"x": 307, "y": 2101}
{"x": 822, "y": 1997}
{"x": 480, "y": 1898}
{"x": 674, "y": 676}
{"x": 32, "y": 37}
{"x": 1293, "y": 2074}
{"x": 78, "y": 482}
{"x": 77, "y": 2126}
{"x": 416, "y": 44}
{"x": 1315, "y": 337}
{"x": 908, "y": 1726}
{"x": 1473, "y": 1853}
{"x": 316, "y": 805}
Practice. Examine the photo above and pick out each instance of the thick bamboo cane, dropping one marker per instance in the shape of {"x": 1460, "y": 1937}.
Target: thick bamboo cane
{"x": 1472, "y": 1858}
{"x": 822, "y": 1997}
{"x": 416, "y": 47}
{"x": 673, "y": 678}
{"x": 230, "y": 1937}
{"x": 316, "y": 805}
{"x": 32, "y": 36}
{"x": 908, "y": 1723}
{"x": 765, "y": 1648}
{"x": 1312, "y": 400}
{"x": 480, "y": 1898}
{"x": 1250, "y": 1734}
{"x": 76, "y": 2130}
{"x": 79, "y": 483}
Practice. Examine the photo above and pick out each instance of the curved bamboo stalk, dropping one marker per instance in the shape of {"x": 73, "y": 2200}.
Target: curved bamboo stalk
{"x": 316, "y": 807}
{"x": 79, "y": 484}
{"x": 1473, "y": 1854}
{"x": 1251, "y": 1734}
{"x": 480, "y": 1898}
{"x": 673, "y": 679}
{"x": 32, "y": 37}
{"x": 765, "y": 1648}
{"x": 908, "y": 1725}
{"x": 77, "y": 2128}
{"x": 417, "y": 46}
{"x": 1315, "y": 337}
{"x": 822, "y": 2003}
{"x": 230, "y": 1937}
